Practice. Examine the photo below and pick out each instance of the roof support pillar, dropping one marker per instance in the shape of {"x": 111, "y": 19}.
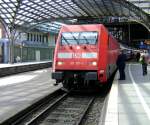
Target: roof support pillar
{"x": 10, "y": 35}
{"x": 129, "y": 33}
{"x": 12, "y": 39}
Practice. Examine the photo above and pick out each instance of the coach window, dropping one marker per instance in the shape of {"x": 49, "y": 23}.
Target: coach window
{"x": 43, "y": 39}
{"x": 34, "y": 37}
{"x": 88, "y": 38}
{"x": 46, "y": 39}
{"x": 31, "y": 37}
{"x": 28, "y": 36}
{"x": 75, "y": 38}
{"x": 69, "y": 38}
{"x": 40, "y": 39}
{"x": 37, "y": 39}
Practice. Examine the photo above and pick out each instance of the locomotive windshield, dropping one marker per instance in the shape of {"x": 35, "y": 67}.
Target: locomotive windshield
{"x": 77, "y": 38}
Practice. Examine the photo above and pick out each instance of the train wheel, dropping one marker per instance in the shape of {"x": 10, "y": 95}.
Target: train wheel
{"x": 66, "y": 84}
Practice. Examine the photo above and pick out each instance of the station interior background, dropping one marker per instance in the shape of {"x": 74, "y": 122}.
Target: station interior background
{"x": 38, "y": 43}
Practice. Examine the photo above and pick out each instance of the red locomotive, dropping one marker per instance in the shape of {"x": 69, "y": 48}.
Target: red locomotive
{"x": 85, "y": 55}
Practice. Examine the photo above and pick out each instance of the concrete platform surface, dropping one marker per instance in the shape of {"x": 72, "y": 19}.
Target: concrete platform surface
{"x": 129, "y": 100}
{"x": 2, "y": 65}
{"x": 20, "y": 91}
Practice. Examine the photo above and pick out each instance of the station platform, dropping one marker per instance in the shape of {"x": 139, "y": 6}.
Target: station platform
{"x": 17, "y": 92}
{"x": 4, "y": 65}
{"x": 129, "y": 100}
{"x": 9, "y": 69}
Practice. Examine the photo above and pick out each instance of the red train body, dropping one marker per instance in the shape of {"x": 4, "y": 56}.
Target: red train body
{"x": 84, "y": 53}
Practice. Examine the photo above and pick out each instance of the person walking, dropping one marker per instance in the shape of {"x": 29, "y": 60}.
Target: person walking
{"x": 121, "y": 65}
{"x": 143, "y": 61}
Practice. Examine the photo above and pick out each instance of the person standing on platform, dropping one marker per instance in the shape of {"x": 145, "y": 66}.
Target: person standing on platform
{"x": 121, "y": 63}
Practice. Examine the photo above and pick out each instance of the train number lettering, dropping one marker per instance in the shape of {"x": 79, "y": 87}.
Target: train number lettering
{"x": 76, "y": 55}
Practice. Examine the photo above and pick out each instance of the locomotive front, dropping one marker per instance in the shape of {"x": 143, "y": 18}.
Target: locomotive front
{"x": 76, "y": 58}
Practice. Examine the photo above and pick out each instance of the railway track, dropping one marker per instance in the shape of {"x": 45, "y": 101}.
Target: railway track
{"x": 69, "y": 111}
{"x": 63, "y": 109}
{"x": 25, "y": 115}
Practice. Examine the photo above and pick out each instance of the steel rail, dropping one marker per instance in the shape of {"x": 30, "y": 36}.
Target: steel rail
{"x": 32, "y": 121}
{"x": 85, "y": 112}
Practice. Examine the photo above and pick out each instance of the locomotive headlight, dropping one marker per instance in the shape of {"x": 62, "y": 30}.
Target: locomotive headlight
{"x": 94, "y": 63}
{"x": 101, "y": 71}
{"x": 78, "y": 47}
{"x": 59, "y": 63}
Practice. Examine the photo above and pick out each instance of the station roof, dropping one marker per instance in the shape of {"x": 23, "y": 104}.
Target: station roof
{"x": 32, "y": 13}
{"x": 143, "y": 4}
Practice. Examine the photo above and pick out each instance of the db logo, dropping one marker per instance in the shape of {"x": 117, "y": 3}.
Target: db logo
{"x": 76, "y": 55}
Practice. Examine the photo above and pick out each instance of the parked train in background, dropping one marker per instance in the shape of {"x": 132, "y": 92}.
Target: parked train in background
{"x": 85, "y": 55}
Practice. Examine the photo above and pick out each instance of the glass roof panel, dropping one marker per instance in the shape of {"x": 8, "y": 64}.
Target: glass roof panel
{"x": 29, "y": 3}
{"x": 24, "y": 1}
{"x": 34, "y": 5}
{"x": 49, "y": 10}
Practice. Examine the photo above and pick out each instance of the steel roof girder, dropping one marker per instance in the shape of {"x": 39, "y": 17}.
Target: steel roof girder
{"x": 92, "y": 7}
{"x": 98, "y": 6}
{"x": 65, "y": 8}
{"x": 84, "y": 5}
{"x": 140, "y": 14}
{"x": 77, "y": 11}
{"x": 56, "y": 8}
